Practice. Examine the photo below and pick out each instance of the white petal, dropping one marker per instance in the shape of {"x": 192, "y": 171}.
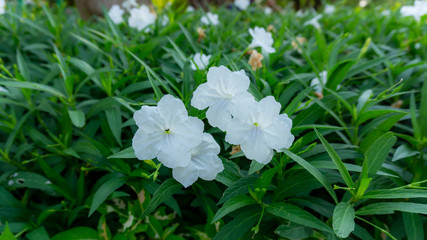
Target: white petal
{"x": 189, "y": 131}
{"x": 204, "y": 96}
{"x": 218, "y": 114}
{"x": 255, "y": 147}
{"x": 237, "y": 131}
{"x": 172, "y": 110}
{"x": 268, "y": 110}
{"x": 148, "y": 117}
{"x": 146, "y": 145}
{"x": 245, "y": 109}
{"x": 185, "y": 175}
{"x": 174, "y": 151}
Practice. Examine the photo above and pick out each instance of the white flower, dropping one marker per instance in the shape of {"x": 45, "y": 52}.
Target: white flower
{"x": 201, "y": 60}
{"x": 164, "y": 20}
{"x": 316, "y": 82}
{"x": 314, "y": 21}
{"x": 220, "y": 93}
{"x": 129, "y": 4}
{"x": 116, "y": 14}
{"x": 140, "y": 18}
{"x": 2, "y": 6}
{"x": 242, "y": 4}
{"x": 258, "y": 127}
{"x": 329, "y": 9}
{"x": 210, "y": 18}
{"x": 417, "y": 11}
{"x": 204, "y": 164}
{"x": 268, "y": 10}
{"x": 166, "y": 132}
{"x": 262, "y": 38}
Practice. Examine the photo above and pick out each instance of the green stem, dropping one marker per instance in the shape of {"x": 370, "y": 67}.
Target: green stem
{"x": 375, "y": 226}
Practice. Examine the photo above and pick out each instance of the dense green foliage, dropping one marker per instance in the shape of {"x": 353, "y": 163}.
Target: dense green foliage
{"x": 357, "y": 167}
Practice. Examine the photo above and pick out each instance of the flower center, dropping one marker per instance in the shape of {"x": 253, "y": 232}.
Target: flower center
{"x": 256, "y": 124}
{"x": 167, "y": 131}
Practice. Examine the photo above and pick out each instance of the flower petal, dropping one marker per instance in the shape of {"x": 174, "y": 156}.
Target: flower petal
{"x": 204, "y": 96}
{"x": 174, "y": 151}
{"x": 218, "y": 114}
{"x": 172, "y": 110}
{"x": 255, "y": 147}
{"x": 268, "y": 110}
{"x": 185, "y": 175}
{"x": 189, "y": 131}
{"x": 237, "y": 131}
{"x": 146, "y": 145}
{"x": 148, "y": 117}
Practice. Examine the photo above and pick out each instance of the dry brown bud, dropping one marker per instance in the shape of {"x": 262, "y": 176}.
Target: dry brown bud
{"x": 235, "y": 149}
{"x": 255, "y": 60}
{"x": 201, "y": 33}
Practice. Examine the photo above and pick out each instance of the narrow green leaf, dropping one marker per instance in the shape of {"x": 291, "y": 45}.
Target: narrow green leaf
{"x": 239, "y": 187}
{"x": 232, "y": 205}
{"x": 338, "y": 73}
{"x": 296, "y": 215}
{"x": 77, "y": 233}
{"x": 293, "y": 231}
{"x": 403, "y": 151}
{"x": 423, "y": 110}
{"x": 343, "y": 219}
{"x": 390, "y": 207}
{"x": 77, "y": 117}
{"x": 105, "y": 190}
{"x": 162, "y": 193}
{"x": 413, "y": 226}
{"x": 7, "y": 234}
{"x": 114, "y": 119}
{"x": 313, "y": 171}
{"x": 395, "y": 193}
{"x": 236, "y": 228}
{"x": 38, "y": 234}
{"x": 337, "y": 160}
{"x": 255, "y": 167}
{"x": 125, "y": 153}
{"x": 33, "y": 85}
{"x": 377, "y": 153}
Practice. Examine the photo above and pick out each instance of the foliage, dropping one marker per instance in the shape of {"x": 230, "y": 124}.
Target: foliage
{"x": 356, "y": 169}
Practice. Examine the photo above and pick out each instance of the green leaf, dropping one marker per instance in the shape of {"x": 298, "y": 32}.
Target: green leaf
{"x": 415, "y": 121}
{"x": 38, "y": 234}
{"x": 33, "y": 85}
{"x": 77, "y": 233}
{"x": 239, "y": 187}
{"x": 7, "y": 199}
{"x": 77, "y": 118}
{"x": 255, "y": 167}
{"x": 293, "y": 231}
{"x": 338, "y": 73}
{"x": 395, "y": 193}
{"x": 114, "y": 119}
{"x": 114, "y": 182}
{"x": 236, "y": 228}
{"x": 125, "y": 153}
{"x": 30, "y": 180}
{"x": 313, "y": 171}
{"x": 343, "y": 219}
{"x": 403, "y": 151}
{"x": 337, "y": 160}
{"x": 7, "y": 234}
{"x": 232, "y": 205}
{"x": 413, "y": 226}
{"x": 162, "y": 193}
{"x": 296, "y": 215}
{"x": 377, "y": 154}
{"x": 390, "y": 207}
{"x": 423, "y": 110}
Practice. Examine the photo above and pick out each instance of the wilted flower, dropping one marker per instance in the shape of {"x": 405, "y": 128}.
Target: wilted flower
{"x": 417, "y": 11}
{"x": 270, "y": 28}
{"x": 140, "y": 18}
{"x": 268, "y": 10}
{"x": 329, "y": 9}
{"x": 242, "y": 4}
{"x": 166, "y": 132}
{"x": 314, "y": 22}
{"x": 258, "y": 127}
{"x": 316, "y": 83}
{"x": 220, "y": 93}
{"x": 204, "y": 163}
{"x": 201, "y": 33}
{"x": 201, "y": 60}
{"x": 301, "y": 41}
{"x": 210, "y": 18}
{"x": 129, "y": 4}
{"x": 116, "y": 14}
{"x": 263, "y": 39}
{"x": 255, "y": 60}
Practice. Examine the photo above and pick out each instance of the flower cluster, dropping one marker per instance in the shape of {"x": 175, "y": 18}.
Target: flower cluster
{"x": 167, "y": 133}
{"x": 140, "y": 17}
{"x": 210, "y": 18}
